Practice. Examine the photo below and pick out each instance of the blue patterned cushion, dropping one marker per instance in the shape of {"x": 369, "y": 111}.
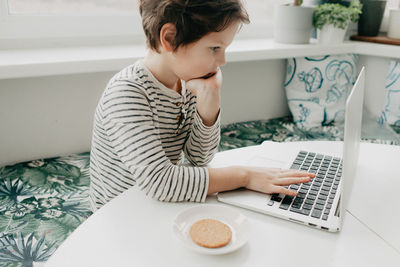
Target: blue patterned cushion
{"x": 317, "y": 88}
{"x": 391, "y": 109}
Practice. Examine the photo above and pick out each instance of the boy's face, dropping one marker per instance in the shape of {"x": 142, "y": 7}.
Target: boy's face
{"x": 203, "y": 57}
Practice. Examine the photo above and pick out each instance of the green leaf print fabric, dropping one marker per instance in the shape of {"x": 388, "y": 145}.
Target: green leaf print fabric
{"x": 282, "y": 130}
{"x": 41, "y": 203}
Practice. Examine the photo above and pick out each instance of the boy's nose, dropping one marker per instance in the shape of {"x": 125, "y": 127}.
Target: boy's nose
{"x": 222, "y": 60}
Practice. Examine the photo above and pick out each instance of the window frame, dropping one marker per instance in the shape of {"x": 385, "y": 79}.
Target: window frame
{"x": 67, "y": 29}
{"x": 385, "y": 19}
{"x": 21, "y": 31}
{"x": 42, "y": 31}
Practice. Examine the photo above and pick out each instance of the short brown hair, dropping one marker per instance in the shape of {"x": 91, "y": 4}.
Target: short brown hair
{"x": 193, "y": 19}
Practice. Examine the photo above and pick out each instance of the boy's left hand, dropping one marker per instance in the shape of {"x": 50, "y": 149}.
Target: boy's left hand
{"x": 207, "y": 91}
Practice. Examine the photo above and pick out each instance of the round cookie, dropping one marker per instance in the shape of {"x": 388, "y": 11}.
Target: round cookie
{"x": 210, "y": 233}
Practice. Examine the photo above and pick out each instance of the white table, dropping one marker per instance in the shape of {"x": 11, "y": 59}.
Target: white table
{"x": 134, "y": 230}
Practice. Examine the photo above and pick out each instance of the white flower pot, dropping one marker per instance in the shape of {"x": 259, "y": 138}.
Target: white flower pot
{"x": 394, "y": 24}
{"x": 331, "y": 35}
{"x": 293, "y": 24}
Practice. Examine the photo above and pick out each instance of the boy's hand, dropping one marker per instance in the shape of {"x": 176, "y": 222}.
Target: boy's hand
{"x": 207, "y": 91}
{"x": 270, "y": 181}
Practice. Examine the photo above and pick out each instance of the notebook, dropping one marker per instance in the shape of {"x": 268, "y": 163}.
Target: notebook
{"x": 321, "y": 202}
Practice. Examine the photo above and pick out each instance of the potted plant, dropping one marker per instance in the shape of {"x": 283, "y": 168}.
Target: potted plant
{"x": 394, "y": 23}
{"x": 371, "y": 17}
{"x": 293, "y": 23}
{"x": 332, "y": 20}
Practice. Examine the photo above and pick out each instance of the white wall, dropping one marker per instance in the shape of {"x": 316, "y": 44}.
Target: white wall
{"x": 253, "y": 91}
{"x": 43, "y": 117}
{"x": 52, "y": 116}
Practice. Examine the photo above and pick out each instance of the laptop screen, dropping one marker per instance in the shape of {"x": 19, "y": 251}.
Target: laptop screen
{"x": 352, "y": 134}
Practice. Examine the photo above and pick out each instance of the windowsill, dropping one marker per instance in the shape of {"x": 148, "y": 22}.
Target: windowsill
{"x": 73, "y": 60}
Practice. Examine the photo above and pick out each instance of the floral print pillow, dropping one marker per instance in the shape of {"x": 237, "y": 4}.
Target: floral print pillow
{"x": 391, "y": 109}
{"x": 317, "y": 88}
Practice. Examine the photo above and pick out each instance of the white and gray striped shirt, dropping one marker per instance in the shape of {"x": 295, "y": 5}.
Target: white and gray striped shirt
{"x": 141, "y": 131}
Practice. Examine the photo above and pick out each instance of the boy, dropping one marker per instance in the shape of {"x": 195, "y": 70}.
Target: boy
{"x": 168, "y": 105}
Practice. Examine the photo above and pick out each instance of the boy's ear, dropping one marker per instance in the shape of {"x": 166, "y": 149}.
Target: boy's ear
{"x": 167, "y": 35}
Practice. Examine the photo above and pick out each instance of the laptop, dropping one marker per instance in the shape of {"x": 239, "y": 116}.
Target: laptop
{"x": 320, "y": 203}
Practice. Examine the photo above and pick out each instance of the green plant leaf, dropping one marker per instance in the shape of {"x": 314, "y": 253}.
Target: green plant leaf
{"x": 28, "y": 224}
{"x": 24, "y": 249}
{"x": 11, "y": 172}
{"x": 57, "y": 230}
{"x": 57, "y": 168}
{"x": 336, "y": 14}
{"x": 34, "y": 176}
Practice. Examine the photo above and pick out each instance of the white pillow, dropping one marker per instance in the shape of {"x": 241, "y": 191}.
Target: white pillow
{"x": 391, "y": 109}
{"x": 317, "y": 88}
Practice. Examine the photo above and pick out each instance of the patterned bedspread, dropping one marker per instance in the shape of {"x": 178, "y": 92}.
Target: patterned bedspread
{"x": 43, "y": 201}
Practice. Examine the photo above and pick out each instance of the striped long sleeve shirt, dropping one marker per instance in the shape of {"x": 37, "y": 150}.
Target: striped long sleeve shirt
{"x": 142, "y": 131}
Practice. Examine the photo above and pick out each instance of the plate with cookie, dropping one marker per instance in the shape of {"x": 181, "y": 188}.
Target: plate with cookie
{"x": 212, "y": 229}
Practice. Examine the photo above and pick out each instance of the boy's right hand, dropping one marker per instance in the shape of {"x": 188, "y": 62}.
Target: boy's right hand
{"x": 209, "y": 82}
{"x": 267, "y": 180}
{"x": 208, "y": 96}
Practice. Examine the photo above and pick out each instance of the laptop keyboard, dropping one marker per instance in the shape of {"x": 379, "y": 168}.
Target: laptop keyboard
{"x": 314, "y": 198}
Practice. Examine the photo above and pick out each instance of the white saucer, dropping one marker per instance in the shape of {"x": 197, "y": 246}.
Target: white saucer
{"x": 234, "y": 219}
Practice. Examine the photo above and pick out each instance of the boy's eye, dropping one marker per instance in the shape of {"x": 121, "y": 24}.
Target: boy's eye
{"x": 215, "y": 48}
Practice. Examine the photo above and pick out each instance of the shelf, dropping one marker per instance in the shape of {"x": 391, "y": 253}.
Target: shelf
{"x": 376, "y": 39}
{"x": 89, "y": 59}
